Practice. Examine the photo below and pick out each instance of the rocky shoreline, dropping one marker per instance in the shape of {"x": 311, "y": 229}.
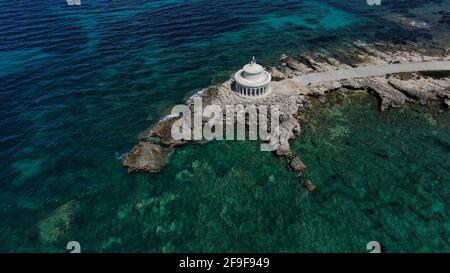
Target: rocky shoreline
{"x": 393, "y": 90}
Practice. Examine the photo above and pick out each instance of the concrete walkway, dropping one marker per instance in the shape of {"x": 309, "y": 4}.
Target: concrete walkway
{"x": 372, "y": 71}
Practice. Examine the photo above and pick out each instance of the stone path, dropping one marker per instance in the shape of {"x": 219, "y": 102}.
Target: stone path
{"x": 372, "y": 71}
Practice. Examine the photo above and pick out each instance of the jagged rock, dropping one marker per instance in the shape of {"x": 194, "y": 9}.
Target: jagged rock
{"x": 352, "y": 84}
{"x": 351, "y": 59}
{"x": 162, "y": 130}
{"x": 309, "y": 62}
{"x": 288, "y": 129}
{"x": 444, "y": 93}
{"x": 333, "y": 62}
{"x": 413, "y": 90}
{"x": 146, "y": 157}
{"x": 52, "y": 228}
{"x": 207, "y": 95}
{"x": 389, "y": 97}
{"x": 309, "y": 185}
{"x": 297, "y": 165}
{"x": 447, "y": 103}
{"x": 330, "y": 86}
{"x": 297, "y": 66}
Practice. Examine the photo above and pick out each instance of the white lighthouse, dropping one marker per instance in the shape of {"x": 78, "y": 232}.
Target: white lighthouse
{"x": 252, "y": 81}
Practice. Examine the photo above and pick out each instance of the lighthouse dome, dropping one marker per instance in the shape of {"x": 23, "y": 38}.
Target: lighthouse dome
{"x": 252, "y": 81}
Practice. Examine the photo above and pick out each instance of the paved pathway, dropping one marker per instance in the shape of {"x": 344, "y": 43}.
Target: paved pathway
{"x": 372, "y": 71}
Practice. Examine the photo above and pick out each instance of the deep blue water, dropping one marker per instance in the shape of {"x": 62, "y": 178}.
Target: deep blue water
{"x": 79, "y": 83}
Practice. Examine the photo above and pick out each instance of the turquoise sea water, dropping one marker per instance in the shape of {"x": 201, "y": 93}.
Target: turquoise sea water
{"x": 80, "y": 83}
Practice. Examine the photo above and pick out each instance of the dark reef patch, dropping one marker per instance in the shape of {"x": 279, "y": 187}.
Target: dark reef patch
{"x": 324, "y": 39}
{"x": 439, "y": 74}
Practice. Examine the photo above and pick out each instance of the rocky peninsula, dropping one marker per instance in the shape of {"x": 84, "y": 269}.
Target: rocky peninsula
{"x": 300, "y": 80}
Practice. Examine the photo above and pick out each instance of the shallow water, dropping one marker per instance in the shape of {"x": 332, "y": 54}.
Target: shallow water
{"x": 386, "y": 173}
{"x": 80, "y": 83}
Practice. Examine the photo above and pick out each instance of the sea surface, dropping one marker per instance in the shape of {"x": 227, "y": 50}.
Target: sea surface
{"x": 79, "y": 83}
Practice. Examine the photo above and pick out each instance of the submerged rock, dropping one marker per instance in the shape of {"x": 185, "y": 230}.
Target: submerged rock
{"x": 409, "y": 23}
{"x": 297, "y": 165}
{"x": 146, "y": 157}
{"x": 309, "y": 185}
{"x": 52, "y": 228}
{"x": 445, "y": 18}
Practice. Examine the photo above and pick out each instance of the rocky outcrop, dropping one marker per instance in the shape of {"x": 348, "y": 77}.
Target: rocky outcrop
{"x": 443, "y": 94}
{"x": 162, "y": 132}
{"x": 297, "y": 165}
{"x": 411, "y": 90}
{"x": 295, "y": 65}
{"x": 289, "y": 128}
{"x": 292, "y": 97}
{"x": 146, "y": 157}
{"x": 389, "y": 96}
